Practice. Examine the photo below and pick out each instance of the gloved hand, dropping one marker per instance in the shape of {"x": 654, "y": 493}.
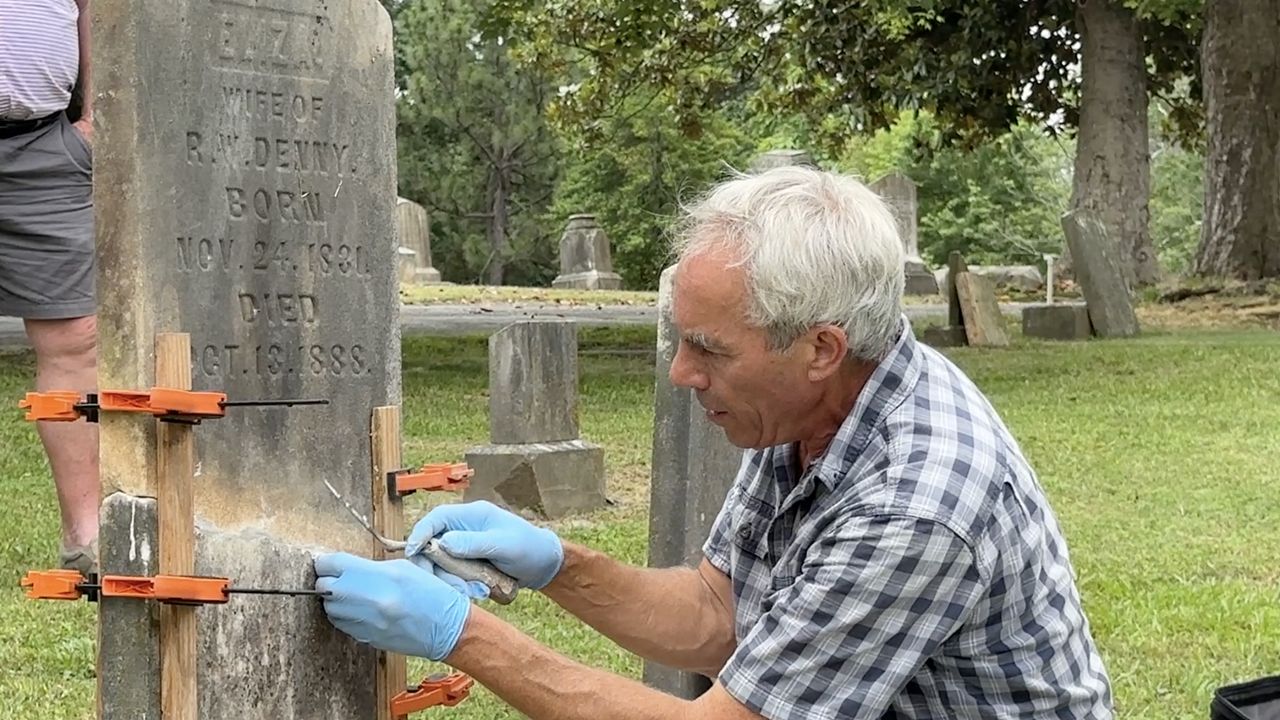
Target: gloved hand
{"x": 480, "y": 529}
{"x": 392, "y": 605}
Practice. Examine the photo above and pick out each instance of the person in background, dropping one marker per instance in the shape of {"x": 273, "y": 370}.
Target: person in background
{"x": 47, "y": 237}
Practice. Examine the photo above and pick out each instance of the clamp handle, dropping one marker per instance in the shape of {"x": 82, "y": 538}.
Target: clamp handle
{"x": 434, "y": 690}
{"x": 431, "y": 477}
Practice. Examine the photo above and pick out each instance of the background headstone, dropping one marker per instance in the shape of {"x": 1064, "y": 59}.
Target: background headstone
{"x": 245, "y": 180}
{"x": 693, "y": 467}
{"x": 1096, "y": 264}
{"x": 899, "y": 193}
{"x": 952, "y": 334}
{"x": 586, "y": 261}
{"x": 414, "y": 225}
{"x": 536, "y": 461}
{"x": 1060, "y": 321}
{"x": 781, "y": 158}
{"x": 983, "y": 323}
{"x": 1027, "y": 278}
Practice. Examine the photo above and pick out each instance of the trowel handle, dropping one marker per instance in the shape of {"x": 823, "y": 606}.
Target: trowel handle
{"x": 502, "y": 587}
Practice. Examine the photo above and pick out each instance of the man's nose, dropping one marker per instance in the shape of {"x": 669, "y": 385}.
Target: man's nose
{"x": 685, "y": 372}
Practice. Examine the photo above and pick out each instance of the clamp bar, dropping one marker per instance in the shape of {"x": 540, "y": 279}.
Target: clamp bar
{"x": 168, "y": 589}
{"x": 432, "y": 477}
{"x": 435, "y": 690}
{"x": 167, "y": 404}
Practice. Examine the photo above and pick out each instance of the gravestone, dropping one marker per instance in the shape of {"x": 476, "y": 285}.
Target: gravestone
{"x": 899, "y": 193}
{"x": 693, "y": 467}
{"x": 1061, "y": 321}
{"x": 414, "y": 226}
{"x": 586, "y": 261}
{"x": 1096, "y": 264}
{"x": 952, "y": 334}
{"x": 245, "y": 180}
{"x": 536, "y": 461}
{"x": 983, "y": 323}
{"x": 781, "y": 158}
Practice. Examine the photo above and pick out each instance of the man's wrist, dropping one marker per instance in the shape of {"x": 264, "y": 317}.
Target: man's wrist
{"x": 477, "y": 635}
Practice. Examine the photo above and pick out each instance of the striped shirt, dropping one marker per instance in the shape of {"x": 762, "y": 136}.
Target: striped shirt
{"x": 39, "y": 57}
{"x": 915, "y": 570}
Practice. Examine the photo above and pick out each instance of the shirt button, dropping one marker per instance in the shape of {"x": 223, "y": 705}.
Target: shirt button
{"x": 744, "y": 532}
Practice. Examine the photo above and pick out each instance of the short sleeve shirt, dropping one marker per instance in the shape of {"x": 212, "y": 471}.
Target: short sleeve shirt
{"x": 39, "y": 57}
{"x": 914, "y": 570}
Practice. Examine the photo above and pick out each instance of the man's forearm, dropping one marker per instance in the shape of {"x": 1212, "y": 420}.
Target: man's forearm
{"x": 674, "y": 616}
{"x": 542, "y": 684}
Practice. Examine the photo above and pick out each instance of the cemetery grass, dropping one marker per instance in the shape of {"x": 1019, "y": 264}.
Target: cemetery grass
{"x": 1157, "y": 454}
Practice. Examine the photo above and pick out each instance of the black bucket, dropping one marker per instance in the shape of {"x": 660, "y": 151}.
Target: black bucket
{"x": 1253, "y": 700}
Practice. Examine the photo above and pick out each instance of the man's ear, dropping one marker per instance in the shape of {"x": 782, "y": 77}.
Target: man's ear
{"x": 830, "y": 345}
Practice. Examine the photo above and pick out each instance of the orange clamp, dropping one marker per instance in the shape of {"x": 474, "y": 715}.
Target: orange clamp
{"x": 447, "y": 690}
{"x": 164, "y": 403}
{"x": 53, "y": 584}
{"x": 436, "y": 476}
{"x": 57, "y": 405}
{"x": 171, "y": 589}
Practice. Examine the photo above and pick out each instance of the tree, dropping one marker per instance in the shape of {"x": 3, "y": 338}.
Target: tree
{"x": 636, "y": 181}
{"x": 475, "y": 148}
{"x": 1240, "y": 236}
{"x": 978, "y": 67}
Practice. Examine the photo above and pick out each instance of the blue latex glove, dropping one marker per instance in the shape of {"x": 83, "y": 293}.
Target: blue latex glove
{"x": 392, "y": 605}
{"x": 530, "y": 554}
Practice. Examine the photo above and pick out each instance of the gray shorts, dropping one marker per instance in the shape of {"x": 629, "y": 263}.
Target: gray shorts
{"x": 46, "y": 224}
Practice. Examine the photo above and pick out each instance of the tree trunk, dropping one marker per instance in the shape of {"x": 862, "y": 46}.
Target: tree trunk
{"x": 499, "y": 212}
{"x": 1240, "y": 237}
{"x": 1113, "y": 164}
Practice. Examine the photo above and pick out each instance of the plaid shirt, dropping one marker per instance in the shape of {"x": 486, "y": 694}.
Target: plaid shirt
{"x": 915, "y": 570}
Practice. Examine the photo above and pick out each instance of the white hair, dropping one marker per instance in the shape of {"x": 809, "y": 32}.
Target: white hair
{"x": 817, "y": 248}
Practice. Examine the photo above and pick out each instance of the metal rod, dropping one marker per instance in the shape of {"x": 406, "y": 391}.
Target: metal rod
{"x": 249, "y": 403}
{"x": 390, "y": 545}
{"x": 259, "y": 591}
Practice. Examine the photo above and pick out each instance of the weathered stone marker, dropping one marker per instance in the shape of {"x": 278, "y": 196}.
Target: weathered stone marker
{"x": 537, "y": 462}
{"x": 415, "y": 234}
{"x": 899, "y": 193}
{"x": 1060, "y": 321}
{"x": 245, "y": 186}
{"x": 781, "y": 158}
{"x": 983, "y": 323}
{"x": 586, "y": 260}
{"x": 952, "y": 334}
{"x": 693, "y": 467}
{"x": 1096, "y": 264}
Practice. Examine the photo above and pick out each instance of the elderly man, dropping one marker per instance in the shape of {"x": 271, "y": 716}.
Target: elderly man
{"x": 885, "y": 550}
{"x": 46, "y": 235}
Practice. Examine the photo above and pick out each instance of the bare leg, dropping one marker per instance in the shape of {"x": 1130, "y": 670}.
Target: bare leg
{"x": 66, "y": 359}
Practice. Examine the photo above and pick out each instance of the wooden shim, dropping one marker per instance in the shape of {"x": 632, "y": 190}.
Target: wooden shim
{"x": 175, "y": 470}
{"x": 390, "y": 676}
{"x": 984, "y": 325}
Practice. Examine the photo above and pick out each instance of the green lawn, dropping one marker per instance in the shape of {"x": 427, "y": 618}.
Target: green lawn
{"x": 1159, "y": 455}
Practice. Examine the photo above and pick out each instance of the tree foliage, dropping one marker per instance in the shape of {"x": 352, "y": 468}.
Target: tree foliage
{"x": 474, "y": 145}
{"x": 636, "y": 182}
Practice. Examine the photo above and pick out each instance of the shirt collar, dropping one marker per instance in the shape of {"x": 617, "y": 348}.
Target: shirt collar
{"x": 889, "y": 385}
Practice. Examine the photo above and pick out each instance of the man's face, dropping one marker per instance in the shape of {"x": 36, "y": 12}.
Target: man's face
{"x": 759, "y": 397}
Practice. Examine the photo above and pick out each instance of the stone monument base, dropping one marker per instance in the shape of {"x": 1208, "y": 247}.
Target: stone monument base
{"x": 552, "y": 479}
{"x": 590, "y": 280}
{"x": 919, "y": 281}
{"x": 425, "y": 276}
{"x": 1063, "y": 321}
{"x": 944, "y": 336}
